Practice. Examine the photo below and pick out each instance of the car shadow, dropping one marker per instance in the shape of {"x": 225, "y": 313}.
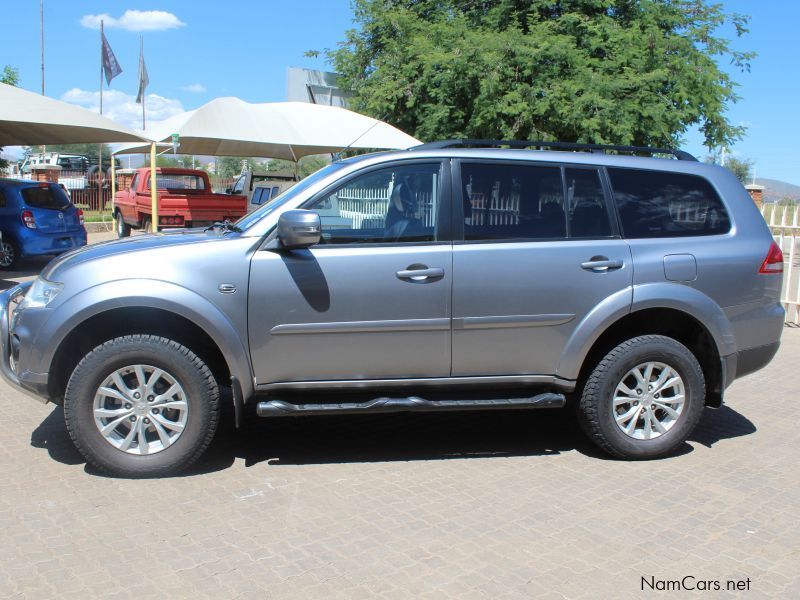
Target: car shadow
{"x": 399, "y": 437}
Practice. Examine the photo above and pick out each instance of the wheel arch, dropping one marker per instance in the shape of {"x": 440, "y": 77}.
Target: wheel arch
{"x": 669, "y": 321}
{"x": 160, "y": 308}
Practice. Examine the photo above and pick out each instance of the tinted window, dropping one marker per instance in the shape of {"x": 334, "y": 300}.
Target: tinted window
{"x": 45, "y": 197}
{"x": 512, "y": 202}
{"x": 661, "y": 204}
{"x": 2, "y": 199}
{"x": 395, "y": 204}
{"x": 586, "y": 206}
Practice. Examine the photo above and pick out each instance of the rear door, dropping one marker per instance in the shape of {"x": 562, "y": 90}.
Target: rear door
{"x": 539, "y": 250}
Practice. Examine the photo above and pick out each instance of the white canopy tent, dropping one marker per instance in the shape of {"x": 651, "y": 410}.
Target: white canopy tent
{"x": 286, "y": 130}
{"x": 28, "y": 119}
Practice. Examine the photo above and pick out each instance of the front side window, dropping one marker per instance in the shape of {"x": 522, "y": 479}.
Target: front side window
{"x": 662, "y": 204}
{"x": 389, "y": 205}
{"x": 503, "y": 202}
{"x": 238, "y": 187}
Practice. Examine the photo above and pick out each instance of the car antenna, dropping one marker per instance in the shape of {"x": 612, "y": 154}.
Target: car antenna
{"x": 338, "y": 155}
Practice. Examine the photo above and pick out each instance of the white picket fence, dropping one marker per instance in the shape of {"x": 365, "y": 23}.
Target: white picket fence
{"x": 368, "y": 206}
{"x": 784, "y": 223}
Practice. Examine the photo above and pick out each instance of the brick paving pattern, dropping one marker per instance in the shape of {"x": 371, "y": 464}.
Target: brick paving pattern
{"x": 514, "y": 505}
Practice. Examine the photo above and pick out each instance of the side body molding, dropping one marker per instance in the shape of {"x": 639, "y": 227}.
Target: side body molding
{"x": 149, "y": 293}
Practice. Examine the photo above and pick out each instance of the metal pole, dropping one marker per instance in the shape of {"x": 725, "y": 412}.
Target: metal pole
{"x": 141, "y": 62}
{"x": 100, "y": 147}
{"x": 41, "y": 30}
{"x": 153, "y": 188}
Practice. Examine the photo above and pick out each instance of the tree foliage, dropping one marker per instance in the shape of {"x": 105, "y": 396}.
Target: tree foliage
{"x": 604, "y": 71}
{"x": 741, "y": 167}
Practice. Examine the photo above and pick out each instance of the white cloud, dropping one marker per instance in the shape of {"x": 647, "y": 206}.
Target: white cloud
{"x": 197, "y": 88}
{"x": 135, "y": 20}
{"x": 122, "y": 108}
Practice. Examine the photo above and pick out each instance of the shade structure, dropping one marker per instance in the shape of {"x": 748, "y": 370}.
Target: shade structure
{"x": 28, "y": 119}
{"x": 287, "y": 130}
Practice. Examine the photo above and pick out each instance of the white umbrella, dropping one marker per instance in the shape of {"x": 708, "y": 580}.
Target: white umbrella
{"x": 287, "y": 130}
{"x": 30, "y": 119}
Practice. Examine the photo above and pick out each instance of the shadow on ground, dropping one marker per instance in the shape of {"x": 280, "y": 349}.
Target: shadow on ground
{"x": 400, "y": 437}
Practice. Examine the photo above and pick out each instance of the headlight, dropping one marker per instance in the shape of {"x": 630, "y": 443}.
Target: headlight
{"x": 41, "y": 293}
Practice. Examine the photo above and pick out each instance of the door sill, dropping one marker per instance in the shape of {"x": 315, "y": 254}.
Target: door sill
{"x": 549, "y": 381}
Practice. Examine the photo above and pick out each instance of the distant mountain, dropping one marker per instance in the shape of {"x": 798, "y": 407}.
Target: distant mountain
{"x": 776, "y": 190}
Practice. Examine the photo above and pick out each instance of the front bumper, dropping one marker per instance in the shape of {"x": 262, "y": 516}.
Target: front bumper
{"x": 8, "y": 301}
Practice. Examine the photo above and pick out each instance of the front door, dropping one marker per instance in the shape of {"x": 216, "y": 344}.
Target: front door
{"x": 372, "y": 300}
{"x": 539, "y": 252}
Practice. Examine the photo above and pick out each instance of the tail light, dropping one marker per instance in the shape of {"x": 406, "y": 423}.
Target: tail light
{"x": 28, "y": 220}
{"x": 774, "y": 261}
{"x": 80, "y": 216}
{"x": 177, "y": 220}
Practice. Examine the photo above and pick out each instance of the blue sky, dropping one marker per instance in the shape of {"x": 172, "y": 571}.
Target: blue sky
{"x": 201, "y": 50}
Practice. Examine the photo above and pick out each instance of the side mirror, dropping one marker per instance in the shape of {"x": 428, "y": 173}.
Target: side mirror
{"x": 228, "y": 190}
{"x": 299, "y": 229}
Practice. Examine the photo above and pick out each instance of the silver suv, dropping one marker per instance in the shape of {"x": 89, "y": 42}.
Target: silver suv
{"x": 453, "y": 276}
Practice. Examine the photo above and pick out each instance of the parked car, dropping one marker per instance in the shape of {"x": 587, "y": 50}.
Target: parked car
{"x": 469, "y": 278}
{"x": 185, "y": 199}
{"x": 37, "y": 219}
{"x": 262, "y": 187}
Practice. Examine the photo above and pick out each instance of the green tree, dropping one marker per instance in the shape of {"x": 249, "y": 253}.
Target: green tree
{"x": 10, "y": 76}
{"x": 90, "y": 150}
{"x": 741, "y": 167}
{"x": 604, "y": 71}
{"x": 304, "y": 167}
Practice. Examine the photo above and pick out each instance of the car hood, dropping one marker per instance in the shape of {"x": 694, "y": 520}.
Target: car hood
{"x": 138, "y": 243}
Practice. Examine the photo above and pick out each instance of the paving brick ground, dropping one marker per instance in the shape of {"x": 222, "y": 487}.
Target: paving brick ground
{"x": 430, "y": 506}
{"x": 514, "y": 505}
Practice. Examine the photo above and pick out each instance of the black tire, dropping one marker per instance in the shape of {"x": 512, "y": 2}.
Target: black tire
{"x": 182, "y": 364}
{"x": 123, "y": 229}
{"x": 9, "y": 254}
{"x": 596, "y": 407}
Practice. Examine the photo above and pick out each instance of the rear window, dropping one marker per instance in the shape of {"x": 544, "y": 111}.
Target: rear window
{"x": 45, "y": 197}
{"x": 661, "y": 204}
{"x": 180, "y": 182}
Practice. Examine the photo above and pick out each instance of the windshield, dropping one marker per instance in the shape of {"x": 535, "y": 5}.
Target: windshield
{"x": 254, "y": 217}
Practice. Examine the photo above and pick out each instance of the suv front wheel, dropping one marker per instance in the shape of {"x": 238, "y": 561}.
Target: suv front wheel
{"x": 141, "y": 406}
{"x": 644, "y": 398}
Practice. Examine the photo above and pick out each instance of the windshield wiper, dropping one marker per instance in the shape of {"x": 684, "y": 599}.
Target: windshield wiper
{"x": 225, "y": 225}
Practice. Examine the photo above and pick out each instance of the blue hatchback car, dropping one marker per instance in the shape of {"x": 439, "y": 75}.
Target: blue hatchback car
{"x": 37, "y": 219}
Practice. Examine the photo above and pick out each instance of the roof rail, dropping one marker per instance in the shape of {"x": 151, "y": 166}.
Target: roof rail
{"x": 562, "y": 146}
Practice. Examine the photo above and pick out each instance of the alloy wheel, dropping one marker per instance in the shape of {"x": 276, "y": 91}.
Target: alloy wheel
{"x": 649, "y": 400}
{"x": 140, "y": 409}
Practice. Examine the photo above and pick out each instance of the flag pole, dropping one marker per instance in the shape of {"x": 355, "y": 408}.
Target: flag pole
{"x": 141, "y": 62}
{"x": 100, "y": 203}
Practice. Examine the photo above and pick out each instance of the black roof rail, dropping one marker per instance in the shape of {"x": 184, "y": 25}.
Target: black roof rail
{"x": 564, "y": 146}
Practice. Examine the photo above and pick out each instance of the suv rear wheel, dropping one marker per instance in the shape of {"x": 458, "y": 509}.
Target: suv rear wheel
{"x": 644, "y": 398}
{"x": 141, "y": 406}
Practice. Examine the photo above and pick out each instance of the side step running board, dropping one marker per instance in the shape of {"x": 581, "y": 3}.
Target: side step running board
{"x": 279, "y": 408}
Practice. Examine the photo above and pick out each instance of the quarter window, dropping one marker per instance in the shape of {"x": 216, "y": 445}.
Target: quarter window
{"x": 663, "y": 204}
{"x": 397, "y": 204}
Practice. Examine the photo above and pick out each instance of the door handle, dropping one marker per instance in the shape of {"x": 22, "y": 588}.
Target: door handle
{"x": 420, "y": 273}
{"x": 601, "y": 264}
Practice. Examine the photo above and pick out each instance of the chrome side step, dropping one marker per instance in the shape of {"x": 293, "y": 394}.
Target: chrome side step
{"x": 281, "y": 408}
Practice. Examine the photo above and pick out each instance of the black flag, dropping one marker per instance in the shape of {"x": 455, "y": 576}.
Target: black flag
{"x": 111, "y": 67}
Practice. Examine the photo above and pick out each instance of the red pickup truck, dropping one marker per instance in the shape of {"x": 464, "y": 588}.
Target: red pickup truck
{"x": 185, "y": 199}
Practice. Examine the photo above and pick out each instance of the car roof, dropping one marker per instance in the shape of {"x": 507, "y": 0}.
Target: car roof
{"x": 542, "y": 156}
